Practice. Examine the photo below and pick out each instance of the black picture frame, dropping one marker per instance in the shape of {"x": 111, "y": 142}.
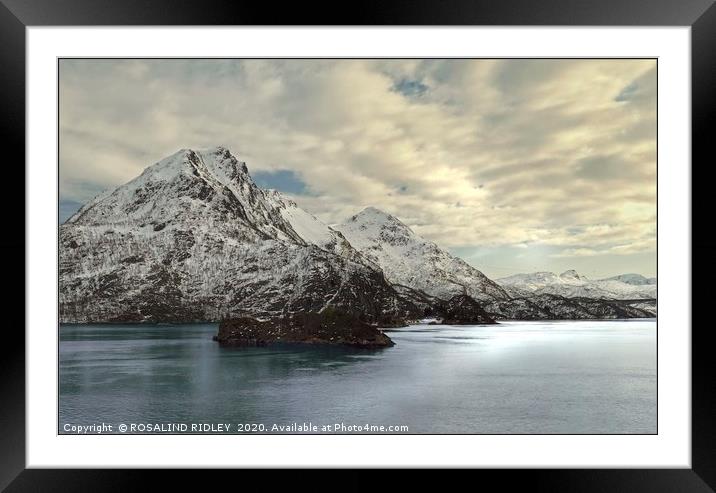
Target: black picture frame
{"x": 16, "y": 15}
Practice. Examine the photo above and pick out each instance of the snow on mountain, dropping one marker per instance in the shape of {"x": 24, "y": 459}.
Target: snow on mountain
{"x": 570, "y": 284}
{"x": 634, "y": 279}
{"x": 312, "y": 230}
{"x": 409, "y": 260}
{"x": 194, "y": 238}
{"x": 183, "y": 185}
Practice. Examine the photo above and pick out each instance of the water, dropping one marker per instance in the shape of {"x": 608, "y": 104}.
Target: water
{"x": 515, "y": 377}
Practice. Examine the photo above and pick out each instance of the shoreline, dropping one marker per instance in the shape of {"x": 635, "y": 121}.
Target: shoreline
{"x": 172, "y": 324}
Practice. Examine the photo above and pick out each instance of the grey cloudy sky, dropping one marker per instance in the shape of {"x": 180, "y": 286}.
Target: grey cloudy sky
{"x": 515, "y": 165}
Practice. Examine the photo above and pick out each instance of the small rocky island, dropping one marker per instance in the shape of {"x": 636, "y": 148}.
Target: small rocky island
{"x": 330, "y": 326}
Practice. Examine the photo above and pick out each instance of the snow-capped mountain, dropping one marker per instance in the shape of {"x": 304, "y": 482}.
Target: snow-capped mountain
{"x": 194, "y": 238}
{"x": 570, "y": 284}
{"x": 411, "y": 261}
{"x": 312, "y": 230}
{"x": 634, "y": 279}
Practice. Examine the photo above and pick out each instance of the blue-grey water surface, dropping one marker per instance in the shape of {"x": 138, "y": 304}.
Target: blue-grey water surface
{"x": 515, "y": 377}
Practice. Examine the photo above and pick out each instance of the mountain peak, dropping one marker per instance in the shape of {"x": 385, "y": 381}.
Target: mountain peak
{"x": 184, "y": 186}
{"x": 216, "y": 161}
{"x": 570, "y": 274}
{"x": 374, "y": 212}
{"x": 633, "y": 279}
{"x": 412, "y": 261}
{"x": 376, "y": 217}
{"x": 222, "y": 154}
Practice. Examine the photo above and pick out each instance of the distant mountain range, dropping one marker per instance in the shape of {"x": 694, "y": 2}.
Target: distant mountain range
{"x": 570, "y": 284}
{"x": 193, "y": 238}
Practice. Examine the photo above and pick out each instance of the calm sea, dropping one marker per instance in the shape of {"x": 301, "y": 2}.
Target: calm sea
{"x": 515, "y": 377}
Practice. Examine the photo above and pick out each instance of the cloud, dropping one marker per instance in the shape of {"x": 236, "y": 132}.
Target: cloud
{"x": 610, "y": 167}
{"x": 471, "y": 153}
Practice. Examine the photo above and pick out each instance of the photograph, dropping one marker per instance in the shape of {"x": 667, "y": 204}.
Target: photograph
{"x": 421, "y": 246}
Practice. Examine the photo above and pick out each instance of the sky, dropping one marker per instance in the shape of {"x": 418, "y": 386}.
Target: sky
{"x": 513, "y": 165}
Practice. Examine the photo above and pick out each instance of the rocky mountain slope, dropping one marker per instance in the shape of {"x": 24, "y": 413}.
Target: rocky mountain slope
{"x": 194, "y": 238}
{"x": 463, "y": 310}
{"x": 413, "y": 262}
{"x": 570, "y": 284}
{"x": 555, "y": 307}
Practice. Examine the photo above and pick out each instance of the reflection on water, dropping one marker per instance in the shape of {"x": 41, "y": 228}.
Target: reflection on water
{"x": 515, "y": 377}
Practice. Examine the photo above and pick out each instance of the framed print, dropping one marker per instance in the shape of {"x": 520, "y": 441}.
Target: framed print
{"x": 447, "y": 237}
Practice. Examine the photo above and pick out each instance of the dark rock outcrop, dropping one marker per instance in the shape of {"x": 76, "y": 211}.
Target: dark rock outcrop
{"x": 461, "y": 309}
{"x": 555, "y": 307}
{"x": 331, "y": 326}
